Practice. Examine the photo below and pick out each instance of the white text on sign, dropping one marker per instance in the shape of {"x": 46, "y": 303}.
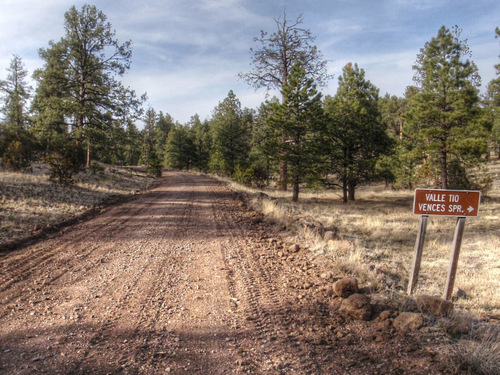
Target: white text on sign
{"x": 446, "y": 202}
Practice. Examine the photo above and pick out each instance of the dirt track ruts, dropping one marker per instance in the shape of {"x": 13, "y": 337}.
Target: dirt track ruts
{"x": 183, "y": 280}
{"x": 169, "y": 282}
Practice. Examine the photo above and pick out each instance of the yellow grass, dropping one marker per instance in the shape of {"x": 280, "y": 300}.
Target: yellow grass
{"x": 377, "y": 235}
{"x": 30, "y": 201}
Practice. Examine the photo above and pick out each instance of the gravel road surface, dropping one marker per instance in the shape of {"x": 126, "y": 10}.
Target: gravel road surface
{"x": 182, "y": 279}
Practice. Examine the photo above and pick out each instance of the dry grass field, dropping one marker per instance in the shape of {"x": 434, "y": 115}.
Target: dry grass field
{"x": 30, "y": 202}
{"x": 377, "y": 233}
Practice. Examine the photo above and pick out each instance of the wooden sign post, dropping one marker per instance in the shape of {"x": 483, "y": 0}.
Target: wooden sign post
{"x": 438, "y": 202}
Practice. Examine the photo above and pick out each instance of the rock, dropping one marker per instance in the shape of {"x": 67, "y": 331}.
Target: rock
{"x": 384, "y": 315}
{"x": 346, "y": 287}
{"x": 294, "y": 248}
{"x": 315, "y": 227}
{"x": 327, "y": 275}
{"x": 434, "y": 305}
{"x": 331, "y": 233}
{"x": 329, "y": 236}
{"x": 261, "y": 195}
{"x": 357, "y": 306}
{"x": 408, "y": 322}
{"x": 459, "y": 293}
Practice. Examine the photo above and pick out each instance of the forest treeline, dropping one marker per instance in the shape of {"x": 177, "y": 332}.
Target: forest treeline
{"x": 440, "y": 133}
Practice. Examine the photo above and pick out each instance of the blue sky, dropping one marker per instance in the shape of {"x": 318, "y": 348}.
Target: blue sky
{"x": 187, "y": 54}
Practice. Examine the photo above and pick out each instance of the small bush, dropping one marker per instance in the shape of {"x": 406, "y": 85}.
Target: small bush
{"x": 19, "y": 152}
{"x": 96, "y": 168}
{"x": 154, "y": 167}
{"x": 65, "y": 162}
{"x": 250, "y": 176}
{"x": 480, "y": 354}
{"x": 458, "y": 323}
{"x": 244, "y": 177}
{"x": 17, "y": 156}
{"x": 260, "y": 177}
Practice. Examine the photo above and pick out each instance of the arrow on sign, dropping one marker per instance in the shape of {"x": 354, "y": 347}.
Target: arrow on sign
{"x": 470, "y": 209}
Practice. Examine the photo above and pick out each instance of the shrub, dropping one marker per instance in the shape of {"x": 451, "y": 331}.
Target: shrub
{"x": 17, "y": 156}
{"x": 480, "y": 354}
{"x": 96, "y": 168}
{"x": 154, "y": 165}
{"x": 66, "y": 161}
{"x": 244, "y": 177}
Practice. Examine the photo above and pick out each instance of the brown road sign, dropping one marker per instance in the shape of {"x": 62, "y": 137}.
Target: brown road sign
{"x": 441, "y": 202}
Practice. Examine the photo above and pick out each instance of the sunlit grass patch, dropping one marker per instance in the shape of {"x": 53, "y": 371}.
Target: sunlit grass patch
{"x": 30, "y": 201}
{"x": 378, "y": 231}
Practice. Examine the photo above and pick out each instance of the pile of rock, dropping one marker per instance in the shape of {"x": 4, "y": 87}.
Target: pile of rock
{"x": 356, "y": 305}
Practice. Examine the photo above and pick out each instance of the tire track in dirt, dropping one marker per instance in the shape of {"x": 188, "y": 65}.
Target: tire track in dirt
{"x": 110, "y": 288}
{"x": 202, "y": 330}
{"x": 151, "y": 313}
{"x": 151, "y": 275}
{"x": 168, "y": 289}
{"x": 267, "y": 311}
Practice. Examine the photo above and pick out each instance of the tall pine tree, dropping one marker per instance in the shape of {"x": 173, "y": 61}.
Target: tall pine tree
{"x": 493, "y": 103}
{"x": 15, "y": 94}
{"x": 356, "y": 134}
{"x": 444, "y": 114}
{"x": 275, "y": 56}
{"x": 230, "y": 136}
{"x": 16, "y": 142}
{"x": 78, "y": 88}
{"x": 297, "y": 125}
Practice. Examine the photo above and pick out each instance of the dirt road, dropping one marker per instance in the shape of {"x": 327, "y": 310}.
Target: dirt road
{"x": 181, "y": 280}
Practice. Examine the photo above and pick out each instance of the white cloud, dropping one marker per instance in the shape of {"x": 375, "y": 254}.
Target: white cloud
{"x": 187, "y": 53}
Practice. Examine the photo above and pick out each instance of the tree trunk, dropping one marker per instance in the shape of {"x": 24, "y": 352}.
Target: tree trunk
{"x": 268, "y": 172}
{"x": 284, "y": 167}
{"x": 88, "y": 156}
{"x": 296, "y": 180}
{"x": 344, "y": 190}
{"x": 352, "y": 189}
{"x": 444, "y": 169}
{"x": 283, "y": 177}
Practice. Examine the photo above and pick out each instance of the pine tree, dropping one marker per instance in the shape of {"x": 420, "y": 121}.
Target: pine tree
{"x": 16, "y": 142}
{"x": 78, "y": 89}
{"x": 261, "y": 154}
{"x": 132, "y": 146}
{"x": 16, "y": 94}
{"x": 164, "y": 124}
{"x": 356, "y": 133}
{"x": 179, "y": 149}
{"x": 297, "y": 124}
{"x": 444, "y": 115}
{"x": 493, "y": 104}
{"x": 275, "y": 57}
{"x": 390, "y": 167}
{"x": 202, "y": 143}
{"x": 230, "y": 136}
{"x": 150, "y": 154}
